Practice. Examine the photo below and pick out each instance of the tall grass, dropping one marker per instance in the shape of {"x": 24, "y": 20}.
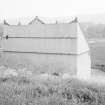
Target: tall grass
{"x": 23, "y": 91}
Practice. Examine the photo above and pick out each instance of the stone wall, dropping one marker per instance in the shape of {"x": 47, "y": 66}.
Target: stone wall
{"x": 41, "y": 62}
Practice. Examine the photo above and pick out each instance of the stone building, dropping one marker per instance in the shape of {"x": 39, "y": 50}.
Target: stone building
{"x": 59, "y": 47}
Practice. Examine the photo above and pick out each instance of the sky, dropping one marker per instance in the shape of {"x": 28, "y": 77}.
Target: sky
{"x": 49, "y": 8}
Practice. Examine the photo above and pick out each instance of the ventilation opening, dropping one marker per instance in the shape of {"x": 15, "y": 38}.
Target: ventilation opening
{"x": 6, "y": 36}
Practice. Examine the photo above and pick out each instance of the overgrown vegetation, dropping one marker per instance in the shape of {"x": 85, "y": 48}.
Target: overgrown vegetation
{"x": 24, "y": 91}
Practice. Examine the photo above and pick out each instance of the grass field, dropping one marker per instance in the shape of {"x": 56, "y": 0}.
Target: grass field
{"x": 23, "y": 91}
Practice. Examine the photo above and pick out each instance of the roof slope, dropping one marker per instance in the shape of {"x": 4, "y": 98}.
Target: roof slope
{"x": 41, "y": 30}
{"x": 64, "y": 38}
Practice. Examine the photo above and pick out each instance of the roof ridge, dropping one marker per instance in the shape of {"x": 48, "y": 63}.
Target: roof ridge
{"x": 75, "y": 20}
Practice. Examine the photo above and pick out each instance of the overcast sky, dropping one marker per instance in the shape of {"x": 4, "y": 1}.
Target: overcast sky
{"x": 49, "y": 8}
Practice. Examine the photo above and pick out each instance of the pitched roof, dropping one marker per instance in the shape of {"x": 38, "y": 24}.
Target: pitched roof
{"x": 63, "y": 38}
{"x": 42, "y": 30}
